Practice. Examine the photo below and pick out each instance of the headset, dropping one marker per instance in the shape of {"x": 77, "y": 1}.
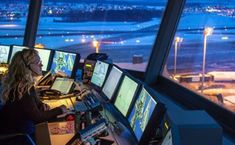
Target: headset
{"x": 28, "y": 65}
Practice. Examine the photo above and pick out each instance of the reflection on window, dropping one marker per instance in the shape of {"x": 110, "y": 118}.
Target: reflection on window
{"x": 13, "y": 17}
{"x": 125, "y": 30}
{"x": 202, "y": 54}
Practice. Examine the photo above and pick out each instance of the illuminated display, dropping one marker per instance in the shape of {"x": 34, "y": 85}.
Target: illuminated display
{"x": 4, "y": 53}
{"x": 167, "y": 139}
{"x": 45, "y": 57}
{"x": 99, "y": 73}
{"x": 111, "y": 82}
{"x": 16, "y": 49}
{"x": 63, "y": 62}
{"x": 62, "y": 84}
{"x": 125, "y": 95}
{"x": 141, "y": 113}
{"x": 88, "y": 65}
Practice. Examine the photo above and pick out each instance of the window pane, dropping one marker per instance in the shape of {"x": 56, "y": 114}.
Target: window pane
{"x": 125, "y": 30}
{"x": 13, "y": 17}
{"x": 202, "y": 54}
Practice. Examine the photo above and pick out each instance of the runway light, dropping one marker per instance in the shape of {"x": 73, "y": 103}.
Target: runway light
{"x": 208, "y": 31}
{"x": 96, "y": 44}
{"x": 224, "y": 38}
{"x": 83, "y": 40}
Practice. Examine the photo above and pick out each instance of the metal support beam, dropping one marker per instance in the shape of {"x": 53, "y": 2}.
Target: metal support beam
{"x": 164, "y": 40}
{"x": 32, "y": 23}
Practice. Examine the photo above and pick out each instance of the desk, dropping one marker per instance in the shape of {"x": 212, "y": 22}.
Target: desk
{"x": 119, "y": 136}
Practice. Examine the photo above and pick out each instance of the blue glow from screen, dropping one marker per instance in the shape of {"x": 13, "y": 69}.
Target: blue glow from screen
{"x": 63, "y": 62}
{"x": 141, "y": 113}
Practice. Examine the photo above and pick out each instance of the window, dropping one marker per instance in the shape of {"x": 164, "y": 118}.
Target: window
{"x": 13, "y": 17}
{"x": 202, "y": 54}
{"x": 125, "y": 30}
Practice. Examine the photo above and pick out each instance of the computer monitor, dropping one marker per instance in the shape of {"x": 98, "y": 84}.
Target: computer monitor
{"x": 112, "y": 82}
{"x": 99, "y": 73}
{"x": 167, "y": 140}
{"x": 125, "y": 95}
{"x": 141, "y": 112}
{"x": 45, "y": 57}
{"x": 63, "y": 85}
{"x": 15, "y": 49}
{"x": 190, "y": 127}
{"x": 145, "y": 116}
{"x": 4, "y": 53}
{"x": 63, "y": 62}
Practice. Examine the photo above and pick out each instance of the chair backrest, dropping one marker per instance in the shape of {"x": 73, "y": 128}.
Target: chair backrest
{"x": 15, "y": 139}
{"x": 1, "y": 105}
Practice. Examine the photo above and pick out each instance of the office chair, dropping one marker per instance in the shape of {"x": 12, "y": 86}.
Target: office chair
{"x": 16, "y": 139}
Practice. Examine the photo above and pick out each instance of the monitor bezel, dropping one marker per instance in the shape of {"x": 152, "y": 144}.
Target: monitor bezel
{"x": 76, "y": 61}
{"x": 99, "y": 88}
{"x": 50, "y": 58}
{"x": 134, "y": 96}
{"x": 154, "y": 120}
{"x": 9, "y": 53}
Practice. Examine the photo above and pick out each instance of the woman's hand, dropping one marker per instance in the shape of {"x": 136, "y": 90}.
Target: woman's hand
{"x": 63, "y": 108}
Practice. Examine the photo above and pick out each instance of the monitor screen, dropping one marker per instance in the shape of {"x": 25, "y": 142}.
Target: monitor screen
{"x": 125, "y": 95}
{"x": 112, "y": 82}
{"x": 16, "y": 49}
{"x": 4, "y": 53}
{"x": 45, "y": 57}
{"x": 62, "y": 84}
{"x": 99, "y": 73}
{"x": 141, "y": 113}
{"x": 167, "y": 140}
{"x": 63, "y": 62}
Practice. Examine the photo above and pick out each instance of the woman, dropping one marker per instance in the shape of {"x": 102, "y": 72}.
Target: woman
{"x": 22, "y": 109}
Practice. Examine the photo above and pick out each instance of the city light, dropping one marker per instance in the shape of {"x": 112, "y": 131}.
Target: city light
{"x": 83, "y": 40}
{"x": 178, "y": 40}
{"x": 207, "y": 32}
{"x": 96, "y": 44}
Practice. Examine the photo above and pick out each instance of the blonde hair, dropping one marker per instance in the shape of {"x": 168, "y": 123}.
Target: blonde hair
{"x": 19, "y": 78}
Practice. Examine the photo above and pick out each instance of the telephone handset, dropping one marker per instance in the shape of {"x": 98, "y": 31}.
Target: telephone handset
{"x": 50, "y": 93}
{"x": 89, "y": 132}
{"x": 47, "y": 79}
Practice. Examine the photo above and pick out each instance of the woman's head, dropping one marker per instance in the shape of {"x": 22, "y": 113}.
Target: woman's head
{"x": 24, "y": 66}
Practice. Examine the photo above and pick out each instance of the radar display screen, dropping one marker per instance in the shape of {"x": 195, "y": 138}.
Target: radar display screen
{"x": 63, "y": 62}
{"x": 125, "y": 95}
{"x": 112, "y": 82}
{"x": 4, "y": 53}
{"x": 141, "y": 113}
{"x": 99, "y": 73}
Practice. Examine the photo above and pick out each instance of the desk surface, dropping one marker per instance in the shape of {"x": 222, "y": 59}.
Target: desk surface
{"x": 121, "y": 137}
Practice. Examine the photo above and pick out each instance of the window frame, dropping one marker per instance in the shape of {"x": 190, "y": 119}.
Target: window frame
{"x": 180, "y": 94}
{"x": 32, "y": 23}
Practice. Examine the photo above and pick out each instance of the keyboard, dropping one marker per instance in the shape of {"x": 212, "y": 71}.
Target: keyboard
{"x": 91, "y": 97}
{"x": 80, "y": 107}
